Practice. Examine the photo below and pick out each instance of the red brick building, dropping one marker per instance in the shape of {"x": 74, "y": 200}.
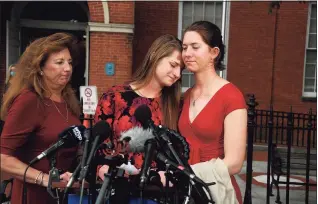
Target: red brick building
{"x": 273, "y": 56}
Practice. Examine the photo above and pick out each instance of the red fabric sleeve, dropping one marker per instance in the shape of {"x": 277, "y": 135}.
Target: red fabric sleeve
{"x": 234, "y": 100}
{"x": 105, "y": 111}
{"x": 23, "y": 118}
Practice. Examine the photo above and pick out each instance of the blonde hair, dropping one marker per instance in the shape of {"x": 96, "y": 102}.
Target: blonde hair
{"x": 162, "y": 47}
{"x": 29, "y": 67}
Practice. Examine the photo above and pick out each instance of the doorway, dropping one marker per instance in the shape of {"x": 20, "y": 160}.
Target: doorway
{"x": 28, "y": 23}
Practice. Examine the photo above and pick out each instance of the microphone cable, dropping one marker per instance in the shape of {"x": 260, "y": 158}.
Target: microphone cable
{"x": 24, "y": 193}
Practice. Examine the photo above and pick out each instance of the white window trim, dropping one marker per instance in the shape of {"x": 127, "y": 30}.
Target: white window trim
{"x": 225, "y": 32}
{"x": 308, "y": 94}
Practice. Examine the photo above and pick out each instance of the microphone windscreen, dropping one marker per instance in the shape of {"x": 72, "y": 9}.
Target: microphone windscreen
{"x": 136, "y": 138}
{"x": 143, "y": 114}
{"x": 102, "y": 129}
{"x": 72, "y": 135}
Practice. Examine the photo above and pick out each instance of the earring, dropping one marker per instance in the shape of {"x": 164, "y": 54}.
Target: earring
{"x": 41, "y": 73}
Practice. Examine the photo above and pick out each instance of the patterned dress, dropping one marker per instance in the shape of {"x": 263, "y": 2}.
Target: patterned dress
{"x": 117, "y": 107}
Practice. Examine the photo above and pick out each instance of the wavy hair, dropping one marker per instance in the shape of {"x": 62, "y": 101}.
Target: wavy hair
{"x": 29, "y": 67}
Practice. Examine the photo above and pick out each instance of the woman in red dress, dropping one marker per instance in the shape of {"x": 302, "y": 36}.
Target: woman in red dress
{"x": 39, "y": 104}
{"x": 213, "y": 117}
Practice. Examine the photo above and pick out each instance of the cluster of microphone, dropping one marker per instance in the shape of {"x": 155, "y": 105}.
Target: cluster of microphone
{"x": 156, "y": 144}
{"x": 77, "y": 135}
{"x": 154, "y": 141}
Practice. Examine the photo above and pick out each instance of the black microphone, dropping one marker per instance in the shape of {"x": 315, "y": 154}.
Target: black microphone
{"x": 101, "y": 131}
{"x": 143, "y": 115}
{"x": 150, "y": 152}
{"x": 81, "y": 164}
{"x": 181, "y": 168}
{"x": 70, "y": 137}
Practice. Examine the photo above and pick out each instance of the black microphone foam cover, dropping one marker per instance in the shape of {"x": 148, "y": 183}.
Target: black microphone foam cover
{"x": 102, "y": 129}
{"x": 72, "y": 135}
{"x": 143, "y": 114}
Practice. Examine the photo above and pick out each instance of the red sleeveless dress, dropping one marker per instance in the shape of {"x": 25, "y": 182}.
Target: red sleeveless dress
{"x": 205, "y": 134}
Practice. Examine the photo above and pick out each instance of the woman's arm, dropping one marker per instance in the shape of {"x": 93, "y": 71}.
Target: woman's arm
{"x": 235, "y": 133}
{"x": 16, "y": 168}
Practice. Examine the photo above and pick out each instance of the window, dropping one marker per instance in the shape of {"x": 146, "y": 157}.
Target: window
{"x": 310, "y": 73}
{"x": 191, "y": 11}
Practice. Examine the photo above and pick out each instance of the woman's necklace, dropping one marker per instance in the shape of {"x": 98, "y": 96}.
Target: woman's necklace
{"x": 66, "y": 119}
{"x": 194, "y": 100}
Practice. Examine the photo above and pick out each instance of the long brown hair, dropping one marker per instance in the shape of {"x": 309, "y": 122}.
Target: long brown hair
{"x": 29, "y": 67}
{"x": 162, "y": 47}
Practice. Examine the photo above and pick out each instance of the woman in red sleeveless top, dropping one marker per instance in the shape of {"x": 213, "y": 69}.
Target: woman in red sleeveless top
{"x": 213, "y": 117}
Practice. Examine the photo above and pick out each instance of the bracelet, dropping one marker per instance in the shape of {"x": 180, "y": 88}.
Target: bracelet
{"x": 42, "y": 178}
{"x": 36, "y": 179}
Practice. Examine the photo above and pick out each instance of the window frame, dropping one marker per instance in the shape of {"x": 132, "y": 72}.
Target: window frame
{"x": 307, "y": 94}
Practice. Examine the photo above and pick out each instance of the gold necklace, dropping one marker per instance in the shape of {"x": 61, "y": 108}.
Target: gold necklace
{"x": 194, "y": 100}
{"x": 60, "y": 111}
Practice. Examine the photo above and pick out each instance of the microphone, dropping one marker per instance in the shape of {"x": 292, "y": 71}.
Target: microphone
{"x": 150, "y": 152}
{"x": 181, "y": 168}
{"x": 81, "y": 164}
{"x": 141, "y": 140}
{"x": 101, "y": 131}
{"x": 143, "y": 115}
{"x": 136, "y": 138}
{"x": 70, "y": 137}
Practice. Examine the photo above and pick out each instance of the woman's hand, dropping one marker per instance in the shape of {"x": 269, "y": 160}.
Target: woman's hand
{"x": 65, "y": 177}
{"x": 163, "y": 178}
{"x": 102, "y": 171}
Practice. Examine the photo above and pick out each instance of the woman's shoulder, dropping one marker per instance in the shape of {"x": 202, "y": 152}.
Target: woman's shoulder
{"x": 230, "y": 90}
{"x": 28, "y": 99}
{"x": 232, "y": 95}
{"x": 27, "y": 95}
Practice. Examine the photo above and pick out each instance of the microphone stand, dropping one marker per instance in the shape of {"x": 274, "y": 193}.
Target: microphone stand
{"x": 54, "y": 175}
{"x": 193, "y": 178}
{"x": 112, "y": 162}
{"x": 84, "y": 166}
{"x": 106, "y": 187}
{"x": 167, "y": 182}
{"x": 169, "y": 144}
{"x": 174, "y": 153}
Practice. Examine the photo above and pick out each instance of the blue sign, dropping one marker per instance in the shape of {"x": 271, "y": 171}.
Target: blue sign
{"x": 110, "y": 68}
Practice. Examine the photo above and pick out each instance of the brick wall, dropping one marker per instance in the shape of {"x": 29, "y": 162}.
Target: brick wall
{"x": 152, "y": 19}
{"x": 96, "y": 11}
{"x": 250, "y": 53}
{"x": 290, "y": 53}
{"x": 110, "y": 47}
{"x": 121, "y": 12}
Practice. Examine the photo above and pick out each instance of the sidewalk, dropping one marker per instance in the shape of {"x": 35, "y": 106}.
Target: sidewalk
{"x": 296, "y": 194}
